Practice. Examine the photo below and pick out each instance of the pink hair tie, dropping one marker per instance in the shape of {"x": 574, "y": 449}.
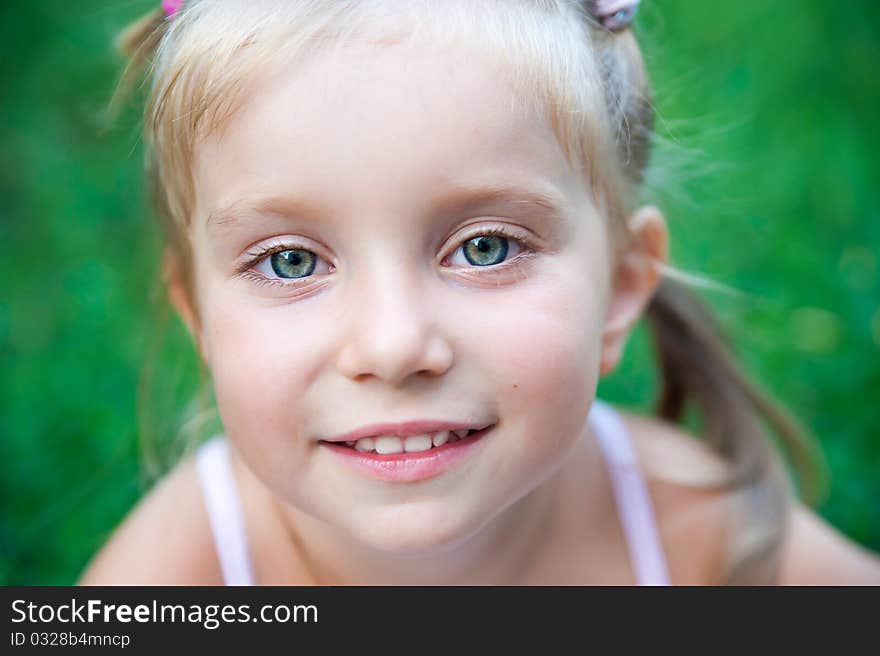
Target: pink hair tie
{"x": 171, "y": 7}
{"x": 613, "y": 15}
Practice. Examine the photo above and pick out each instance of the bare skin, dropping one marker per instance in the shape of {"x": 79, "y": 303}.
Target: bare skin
{"x": 166, "y": 539}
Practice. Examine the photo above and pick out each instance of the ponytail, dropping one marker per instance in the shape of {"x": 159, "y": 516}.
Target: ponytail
{"x": 695, "y": 362}
{"x": 165, "y": 432}
{"x": 696, "y": 366}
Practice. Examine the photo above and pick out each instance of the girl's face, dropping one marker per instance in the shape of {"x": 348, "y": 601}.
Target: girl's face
{"x": 375, "y": 168}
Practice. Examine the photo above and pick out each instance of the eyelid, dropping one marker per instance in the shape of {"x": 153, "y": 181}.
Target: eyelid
{"x": 258, "y": 254}
{"x": 496, "y": 229}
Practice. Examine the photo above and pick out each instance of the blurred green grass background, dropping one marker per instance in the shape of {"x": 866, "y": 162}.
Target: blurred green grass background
{"x": 768, "y": 177}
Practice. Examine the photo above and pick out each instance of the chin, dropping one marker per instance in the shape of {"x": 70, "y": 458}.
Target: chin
{"x": 412, "y": 529}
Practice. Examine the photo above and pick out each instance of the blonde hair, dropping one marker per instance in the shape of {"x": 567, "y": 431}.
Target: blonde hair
{"x": 594, "y": 87}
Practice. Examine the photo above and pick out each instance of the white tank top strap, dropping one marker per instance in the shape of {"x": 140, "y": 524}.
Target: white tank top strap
{"x": 224, "y": 511}
{"x": 631, "y": 495}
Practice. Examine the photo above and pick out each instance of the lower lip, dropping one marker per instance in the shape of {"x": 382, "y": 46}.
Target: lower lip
{"x": 409, "y": 467}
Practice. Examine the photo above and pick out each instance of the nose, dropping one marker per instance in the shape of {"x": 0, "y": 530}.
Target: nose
{"x": 392, "y": 331}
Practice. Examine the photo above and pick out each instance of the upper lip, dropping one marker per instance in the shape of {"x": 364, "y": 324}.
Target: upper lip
{"x": 406, "y": 429}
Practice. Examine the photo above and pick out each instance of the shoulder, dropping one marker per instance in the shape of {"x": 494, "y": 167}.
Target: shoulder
{"x": 816, "y": 554}
{"x": 695, "y": 520}
{"x": 668, "y": 451}
{"x": 694, "y": 515}
{"x": 165, "y": 540}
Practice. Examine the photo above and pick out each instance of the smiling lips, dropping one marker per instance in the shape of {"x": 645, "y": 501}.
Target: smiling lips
{"x": 413, "y": 458}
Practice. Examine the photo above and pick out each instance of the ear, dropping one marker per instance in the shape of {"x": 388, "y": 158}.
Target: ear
{"x": 634, "y": 281}
{"x": 180, "y": 299}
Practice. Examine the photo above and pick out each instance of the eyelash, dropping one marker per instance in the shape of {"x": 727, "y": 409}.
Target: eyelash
{"x": 246, "y": 270}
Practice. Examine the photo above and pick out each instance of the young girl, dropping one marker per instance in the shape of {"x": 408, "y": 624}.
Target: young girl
{"x": 405, "y": 238}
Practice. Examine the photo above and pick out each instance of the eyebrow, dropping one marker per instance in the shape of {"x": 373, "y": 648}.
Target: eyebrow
{"x": 459, "y": 200}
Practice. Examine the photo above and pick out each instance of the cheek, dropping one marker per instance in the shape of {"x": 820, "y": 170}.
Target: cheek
{"x": 546, "y": 368}
{"x": 260, "y": 362}
{"x": 547, "y": 342}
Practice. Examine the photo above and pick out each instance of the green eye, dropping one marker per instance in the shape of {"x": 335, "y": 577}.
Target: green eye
{"x": 486, "y": 250}
{"x": 295, "y": 263}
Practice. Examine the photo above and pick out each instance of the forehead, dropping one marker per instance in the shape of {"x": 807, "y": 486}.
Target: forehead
{"x": 381, "y": 129}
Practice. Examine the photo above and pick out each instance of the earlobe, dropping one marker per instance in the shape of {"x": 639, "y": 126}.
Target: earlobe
{"x": 634, "y": 281}
{"x": 180, "y": 300}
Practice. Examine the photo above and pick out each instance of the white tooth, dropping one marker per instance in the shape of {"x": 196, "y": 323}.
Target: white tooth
{"x": 388, "y": 444}
{"x": 350, "y": 443}
{"x": 440, "y": 438}
{"x": 417, "y": 443}
{"x": 365, "y": 444}
{"x": 461, "y": 433}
